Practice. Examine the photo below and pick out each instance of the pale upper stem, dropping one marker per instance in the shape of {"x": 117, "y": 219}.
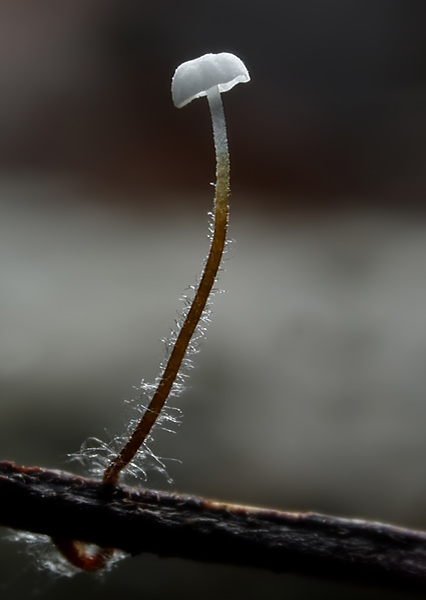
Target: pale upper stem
{"x": 220, "y": 143}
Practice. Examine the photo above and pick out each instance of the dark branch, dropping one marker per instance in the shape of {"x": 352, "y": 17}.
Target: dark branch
{"x": 64, "y": 506}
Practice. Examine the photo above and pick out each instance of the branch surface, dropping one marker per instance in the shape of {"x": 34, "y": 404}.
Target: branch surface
{"x": 65, "y": 506}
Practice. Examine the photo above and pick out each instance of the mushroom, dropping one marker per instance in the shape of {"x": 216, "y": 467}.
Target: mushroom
{"x": 196, "y": 78}
{"x": 208, "y": 76}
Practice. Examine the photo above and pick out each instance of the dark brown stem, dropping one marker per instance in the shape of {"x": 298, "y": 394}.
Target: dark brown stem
{"x": 178, "y": 353}
{"x": 64, "y": 506}
{"x": 72, "y": 549}
{"x": 193, "y": 317}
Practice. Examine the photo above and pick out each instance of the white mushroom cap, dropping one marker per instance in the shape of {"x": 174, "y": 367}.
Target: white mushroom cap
{"x": 195, "y": 78}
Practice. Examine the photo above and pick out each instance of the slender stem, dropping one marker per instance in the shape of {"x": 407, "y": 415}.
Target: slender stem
{"x": 199, "y": 302}
{"x": 76, "y": 551}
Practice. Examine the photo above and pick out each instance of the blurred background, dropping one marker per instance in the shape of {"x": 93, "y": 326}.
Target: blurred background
{"x": 309, "y": 390}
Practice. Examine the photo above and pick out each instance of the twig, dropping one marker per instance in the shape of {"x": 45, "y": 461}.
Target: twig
{"x": 65, "y": 506}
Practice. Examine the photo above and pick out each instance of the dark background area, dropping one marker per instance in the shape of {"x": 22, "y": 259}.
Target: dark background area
{"x": 309, "y": 392}
{"x": 336, "y": 109}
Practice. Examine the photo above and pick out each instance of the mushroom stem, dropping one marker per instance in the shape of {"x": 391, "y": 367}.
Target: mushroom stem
{"x": 200, "y": 299}
{"x": 220, "y": 144}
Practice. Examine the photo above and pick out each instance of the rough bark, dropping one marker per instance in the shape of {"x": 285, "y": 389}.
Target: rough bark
{"x": 65, "y": 506}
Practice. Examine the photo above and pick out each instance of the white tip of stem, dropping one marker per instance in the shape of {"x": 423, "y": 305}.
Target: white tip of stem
{"x": 195, "y": 78}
